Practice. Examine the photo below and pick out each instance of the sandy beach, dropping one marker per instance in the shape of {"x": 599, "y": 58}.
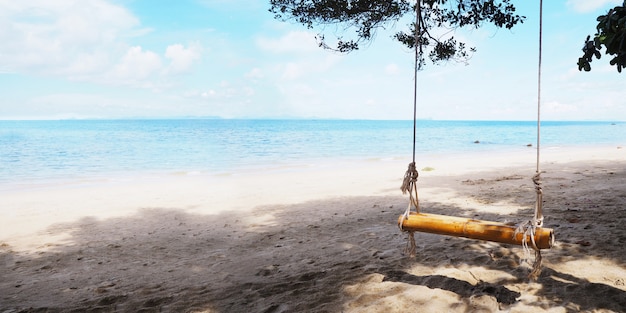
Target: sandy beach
{"x": 318, "y": 238}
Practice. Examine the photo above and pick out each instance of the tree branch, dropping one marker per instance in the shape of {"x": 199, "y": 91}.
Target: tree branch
{"x": 364, "y": 17}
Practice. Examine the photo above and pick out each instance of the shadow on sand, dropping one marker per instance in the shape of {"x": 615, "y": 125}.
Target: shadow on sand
{"x": 295, "y": 258}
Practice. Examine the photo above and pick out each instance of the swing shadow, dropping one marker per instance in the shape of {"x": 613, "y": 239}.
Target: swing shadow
{"x": 556, "y": 287}
{"x": 301, "y": 258}
{"x": 462, "y": 288}
{"x": 582, "y": 294}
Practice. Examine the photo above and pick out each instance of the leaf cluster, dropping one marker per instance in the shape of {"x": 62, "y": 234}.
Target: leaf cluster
{"x": 364, "y": 17}
{"x": 610, "y": 33}
{"x": 462, "y": 13}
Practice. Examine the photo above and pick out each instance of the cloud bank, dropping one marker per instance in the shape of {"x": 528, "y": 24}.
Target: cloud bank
{"x": 85, "y": 40}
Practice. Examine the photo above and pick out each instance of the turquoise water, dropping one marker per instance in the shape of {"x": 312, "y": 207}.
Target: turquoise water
{"x": 70, "y": 149}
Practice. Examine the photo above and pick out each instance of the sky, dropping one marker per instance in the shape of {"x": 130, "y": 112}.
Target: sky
{"x": 67, "y": 59}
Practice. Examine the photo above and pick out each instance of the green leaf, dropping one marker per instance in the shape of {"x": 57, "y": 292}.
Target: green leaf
{"x": 581, "y": 63}
{"x": 597, "y": 42}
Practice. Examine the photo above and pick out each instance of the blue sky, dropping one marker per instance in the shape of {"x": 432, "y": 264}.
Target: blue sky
{"x": 231, "y": 59}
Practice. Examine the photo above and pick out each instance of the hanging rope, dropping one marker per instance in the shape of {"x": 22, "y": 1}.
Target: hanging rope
{"x": 537, "y": 177}
{"x": 409, "y": 183}
{"x": 538, "y": 218}
{"x": 529, "y": 228}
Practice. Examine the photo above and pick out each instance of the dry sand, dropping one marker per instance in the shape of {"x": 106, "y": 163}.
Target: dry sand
{"x": 317, "y": 238}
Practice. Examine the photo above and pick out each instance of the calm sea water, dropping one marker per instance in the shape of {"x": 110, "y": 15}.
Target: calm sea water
{"x": 70, "y": 149}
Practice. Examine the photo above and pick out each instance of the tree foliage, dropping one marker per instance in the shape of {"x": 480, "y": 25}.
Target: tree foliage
{"x": 361, "y": 19}
{"x": 610, "y": 33}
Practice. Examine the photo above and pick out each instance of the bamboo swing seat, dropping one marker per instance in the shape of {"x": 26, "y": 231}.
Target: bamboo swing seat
{"x": 543, "y": 238}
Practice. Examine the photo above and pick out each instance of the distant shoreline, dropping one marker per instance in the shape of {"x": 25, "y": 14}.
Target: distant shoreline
{"x": 429, "y": 163}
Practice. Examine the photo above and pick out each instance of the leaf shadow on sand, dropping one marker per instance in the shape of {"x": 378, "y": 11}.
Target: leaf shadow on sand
{"x": 296, "y": 258}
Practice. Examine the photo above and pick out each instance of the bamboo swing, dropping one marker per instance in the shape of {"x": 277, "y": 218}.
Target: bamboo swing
{"x": 530, "y": 235}
{"x": 542, "y": 238}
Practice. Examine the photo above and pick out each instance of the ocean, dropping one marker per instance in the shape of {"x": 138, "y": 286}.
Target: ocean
{"x": 40, "y": 151}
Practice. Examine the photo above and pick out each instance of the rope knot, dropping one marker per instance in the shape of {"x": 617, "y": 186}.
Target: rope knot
{"x": 537, "y": 182}
{"x": 410, "y": 177}
{"x": 538, "y": 220}
{"x": 409, "y": 184}
{"x": 528, "y": 229}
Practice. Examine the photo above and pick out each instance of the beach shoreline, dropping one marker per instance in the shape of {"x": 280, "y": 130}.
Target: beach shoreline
{"x": 108, "y": 195}
{"x": 319, "y": 238}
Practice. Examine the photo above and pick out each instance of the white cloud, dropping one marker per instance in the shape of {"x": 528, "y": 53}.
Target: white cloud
{"x": 225, "y": 90}
{"x": 392, "y": 69}
{"x": 73, "y": 105}
{"x": 558, "y": 107}
{"x": 294, "y": 41}
{"x": 87, "y": 63}
{"x": 306, "y": 68}
{"x": 255, "y": 74}
{"x": 88, "y": 40}
{"x": 48, "y": 36}
{"x": 136, "y": 65}
{"x": 585, "y": 6}
{"x": 230, "y": 5}
{"x": 293, "y": 70}
{"x": 182, "y": 58}
{"x": 208, "y": 94}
